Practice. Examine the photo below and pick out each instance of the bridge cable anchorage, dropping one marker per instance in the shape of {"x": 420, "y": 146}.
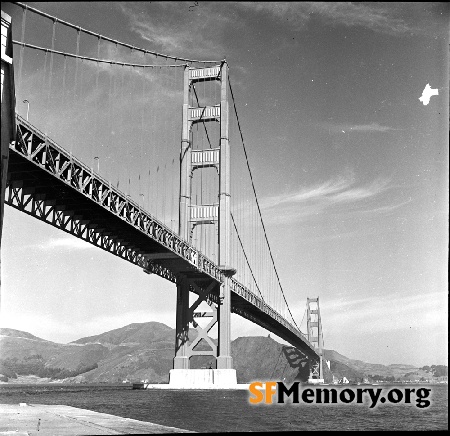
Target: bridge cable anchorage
{"x": 257, "y": 203}
{"x": 123, "y": 44}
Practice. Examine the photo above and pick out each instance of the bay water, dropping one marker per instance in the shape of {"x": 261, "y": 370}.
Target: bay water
{"x": 209, "y": 411}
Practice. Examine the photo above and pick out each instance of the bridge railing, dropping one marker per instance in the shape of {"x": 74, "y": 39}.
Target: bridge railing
{"x": 251, "y": 297}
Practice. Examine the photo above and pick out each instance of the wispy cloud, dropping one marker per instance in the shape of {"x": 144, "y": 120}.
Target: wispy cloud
{"x": 347, "y": 127}
{"x": 65, "y": 243}
{"x": 377, "y": 314}
{"x": 176, "y": 29}
{"x": 379, "y": 17}
{"x": 386, "y": 209}
{"x": 315, "y": 199}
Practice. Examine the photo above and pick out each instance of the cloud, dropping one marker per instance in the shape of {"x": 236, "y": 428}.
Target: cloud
{"x": 315, "y": 199}
{"x": 65, "y": 243}
{"x": 376, "y": 314}
{"x": 386, "y": 209}
{"x": 347, "y": 128}
{"x": 379, "y": 17}
{"x": 176, "y": 30}
{"x": 340, "y": 195}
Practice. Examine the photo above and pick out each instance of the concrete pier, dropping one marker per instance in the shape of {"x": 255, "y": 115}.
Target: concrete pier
{"x": 50, "y": 420}
{"x": 237, "y": 387}
{"x": 203, "y": 379}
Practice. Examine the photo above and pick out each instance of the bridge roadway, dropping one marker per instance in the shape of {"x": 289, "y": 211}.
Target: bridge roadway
{"x": 47, "y": 182}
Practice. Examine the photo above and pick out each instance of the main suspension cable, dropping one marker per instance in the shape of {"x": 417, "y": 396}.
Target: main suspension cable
{"x": 89, "y": 32}
{"x": 257, "y": 204}
{"x": 246, "y": 259}
{"x": 86, "y": 58}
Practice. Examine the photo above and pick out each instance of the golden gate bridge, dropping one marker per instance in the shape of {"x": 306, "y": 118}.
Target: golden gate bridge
{"x": 100, "y": 158}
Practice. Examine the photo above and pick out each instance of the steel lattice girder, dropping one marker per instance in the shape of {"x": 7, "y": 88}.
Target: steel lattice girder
{"x": 47, "y": 182}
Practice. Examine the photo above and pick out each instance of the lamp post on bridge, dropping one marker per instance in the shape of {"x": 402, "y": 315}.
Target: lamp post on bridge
{"x": 96, "y": 158}
{"x": 28, "y": 107}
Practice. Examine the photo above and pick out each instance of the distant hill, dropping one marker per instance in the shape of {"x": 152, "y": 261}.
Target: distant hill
{"x": 18, "y": 334}
{"x": 133, "y": 334}
{"x": 141, "y": 351}
{"x": 341, "y": 365}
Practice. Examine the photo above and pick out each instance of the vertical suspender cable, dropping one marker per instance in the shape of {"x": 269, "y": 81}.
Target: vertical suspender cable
{"x": 166, "y": 136}
{"x": 22, "y": 39}
{"x": 152, "y": 142}
{"x": 121, "y": 137}
{"x": 142, "y": 121}
{"x": 77, "y": 61}
{"x": 76, "y": 77}
{"x": 51, "y": 60}
{"x": 257, "y": 203}
{"x": 97, "y": 96}
{"x": 44, "y": 80}
{"x": 110, "y": 123}
{"x": 135, "y": 165}
{"x": 64, "y": 82}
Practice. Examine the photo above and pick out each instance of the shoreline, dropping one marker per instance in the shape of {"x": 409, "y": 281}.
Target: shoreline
{"x": 31, "y": 380}
{"x": 32, "y": 419}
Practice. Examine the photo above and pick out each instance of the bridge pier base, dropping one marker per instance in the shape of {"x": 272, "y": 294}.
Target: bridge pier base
{"x": 224, "y": 362}
{"x": 203, "y": 379}
{"x": 224, "y": 359}
{"x": 316, "y": 370}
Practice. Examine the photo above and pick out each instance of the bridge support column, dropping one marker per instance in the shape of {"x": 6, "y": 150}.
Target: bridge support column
{"x": 315, "y": 336}
{"x": 181, "y": 360}
{"x": 182, "y": 376}
{"x": 8, "y": 102}
{"x": 185, "y": 165}
{"x": 224, "y": 359}
{"x": 315, "y": 370}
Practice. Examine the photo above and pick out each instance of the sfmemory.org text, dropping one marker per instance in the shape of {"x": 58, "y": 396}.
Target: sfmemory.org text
{"x": 264, "y": 393}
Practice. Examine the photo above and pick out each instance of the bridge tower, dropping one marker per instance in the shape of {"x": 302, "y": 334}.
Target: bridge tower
{"x": 216, "y": 295}
{"x": 315, "y": 337}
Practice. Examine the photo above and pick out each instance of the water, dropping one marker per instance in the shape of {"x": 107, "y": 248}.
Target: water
{"x": 229, "y": 411}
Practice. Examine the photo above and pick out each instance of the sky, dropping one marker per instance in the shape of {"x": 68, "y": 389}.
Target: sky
{"x": 350, "y": 166}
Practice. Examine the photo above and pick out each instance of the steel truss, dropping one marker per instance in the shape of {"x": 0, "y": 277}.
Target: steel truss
{"x": 45, "y": 155}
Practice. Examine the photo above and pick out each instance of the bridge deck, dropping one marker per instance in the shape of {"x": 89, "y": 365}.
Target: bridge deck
{"x": 45, "y": 181}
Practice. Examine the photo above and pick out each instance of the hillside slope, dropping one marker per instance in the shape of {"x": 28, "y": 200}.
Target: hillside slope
{"x": 142, "y": 351}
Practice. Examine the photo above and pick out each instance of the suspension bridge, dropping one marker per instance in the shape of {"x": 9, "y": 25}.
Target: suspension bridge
{"x": 101, "y": 160}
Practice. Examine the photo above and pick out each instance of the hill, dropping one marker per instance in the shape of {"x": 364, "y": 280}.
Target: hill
{"x": 134, "y": 334}
{"x": 141, "y": 351}
{"x": 19, "y": 334}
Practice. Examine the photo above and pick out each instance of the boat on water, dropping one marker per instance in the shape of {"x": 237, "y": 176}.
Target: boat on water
{"x": 141, "y": 385}
{"x": 340, "y": 381}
